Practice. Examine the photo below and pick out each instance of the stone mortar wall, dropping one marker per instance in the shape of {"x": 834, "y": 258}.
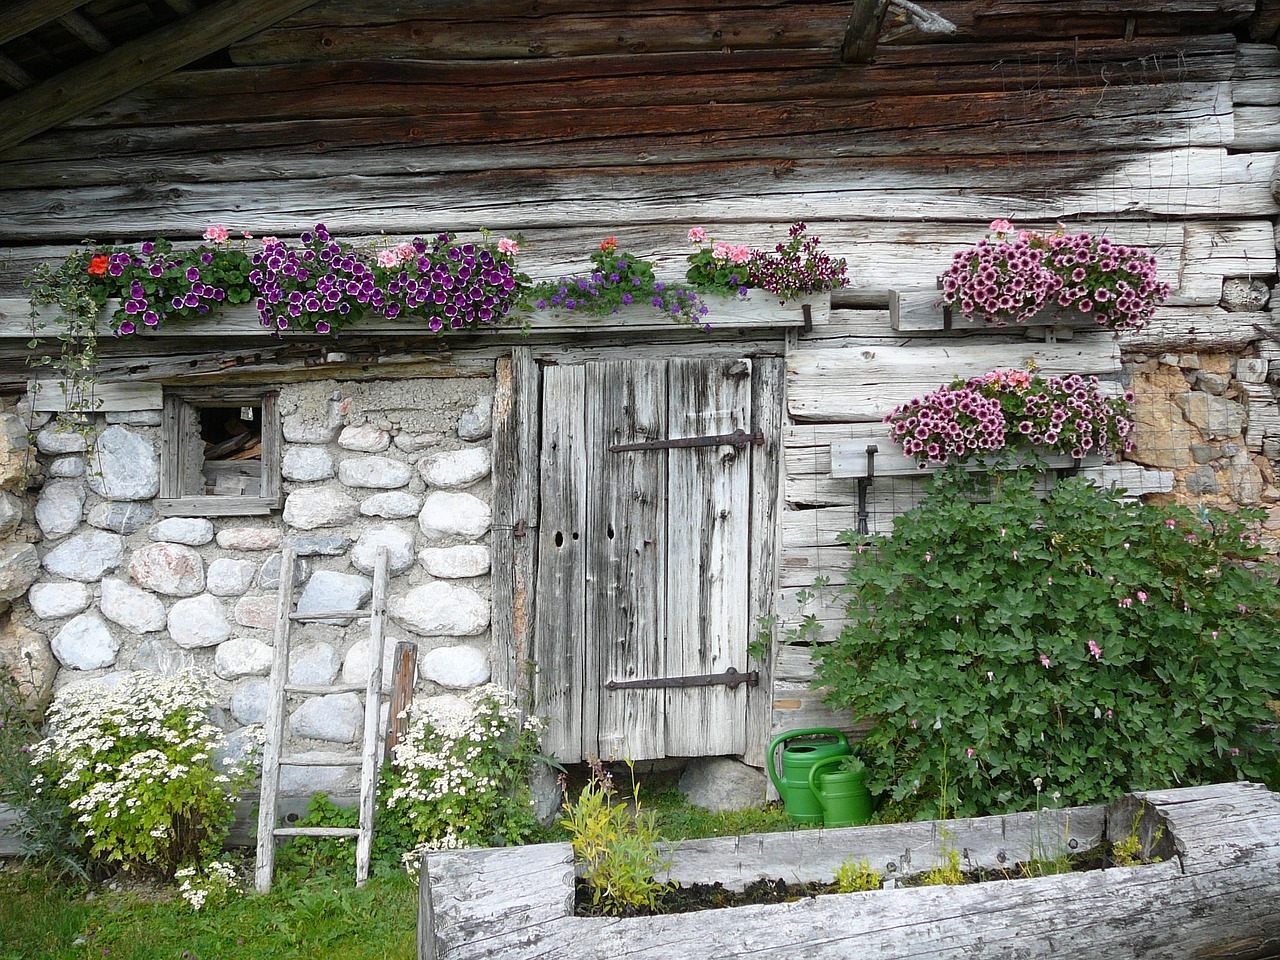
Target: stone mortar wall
{"x": 401, "y": 464}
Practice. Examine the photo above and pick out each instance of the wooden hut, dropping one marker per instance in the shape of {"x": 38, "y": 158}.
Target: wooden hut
{"x": 894, "y": 131}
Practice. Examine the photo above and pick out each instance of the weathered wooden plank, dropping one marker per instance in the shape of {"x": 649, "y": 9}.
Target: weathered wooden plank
{"x": 1185, "y": 183}
{"x": 851, "y": 459}
{"x": 924, "y": 309}
{"x": 867, "y": 385}
{"x": 1256, "y": 78}
{"x": 626, "y": 551}
{"x": 1194, "y": 328}
{"x": 1263, "y": 413}
{"x": 1257, "y": 128}
{"x": 57, "y": 396}
{"x": 23, "y": 16}
{"x": 768, "y": 383}
{"x": 1229, "y": 249}
{"x": 561, "y": 639}
{"x": 132, "y": 64}
{"x": 708, "y": 509}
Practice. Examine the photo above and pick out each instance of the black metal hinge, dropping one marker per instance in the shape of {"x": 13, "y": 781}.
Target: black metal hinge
{"x": 739, "y": 438}
{"x": 731, "y": 678}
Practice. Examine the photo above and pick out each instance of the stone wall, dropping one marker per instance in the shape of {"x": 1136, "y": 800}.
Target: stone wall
{"x": 401, "y": 464}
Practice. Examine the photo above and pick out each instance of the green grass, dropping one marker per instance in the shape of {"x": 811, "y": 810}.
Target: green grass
{"x": 320, "y": 916}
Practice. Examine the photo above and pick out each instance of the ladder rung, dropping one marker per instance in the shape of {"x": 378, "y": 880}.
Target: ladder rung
{"x": 317, "y": 831}
{"x": 331, "y": 688}
{"x": 330, "y": 615}
{"x": 322, "y": 760}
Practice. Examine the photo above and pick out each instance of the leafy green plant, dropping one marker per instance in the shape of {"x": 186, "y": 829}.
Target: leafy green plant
{"x": 209, "y": 886}
{"x": 133, "y": 766}
{"x": 460, "y": 775}
{"x": 948, "y": 872}
{"x": 616, "y": 845}
{"x": 1129, "y": 850}
{"x": 1104, "y": 645}
{"x": 854, "y": 877}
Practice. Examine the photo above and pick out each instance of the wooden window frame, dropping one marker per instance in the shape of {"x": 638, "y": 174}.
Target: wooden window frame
{"x": 176, "y": 449}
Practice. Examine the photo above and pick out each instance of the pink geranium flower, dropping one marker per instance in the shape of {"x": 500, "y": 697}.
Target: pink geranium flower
{"x": 507, "y": 245}
{"x": 216, "y": 233}
{"x": 387, "y": 258}
{"x": 698, "y": 235}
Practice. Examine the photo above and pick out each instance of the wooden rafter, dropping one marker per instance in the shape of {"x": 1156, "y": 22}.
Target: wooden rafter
{"x": 14, "y": 76}
{"x": 135, "y": 63}
{"x": 26, "y": 15}
{"x": 85, "y": 32}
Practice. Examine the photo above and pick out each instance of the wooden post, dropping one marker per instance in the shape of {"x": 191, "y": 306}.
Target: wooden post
{"x": 404, "y": 677}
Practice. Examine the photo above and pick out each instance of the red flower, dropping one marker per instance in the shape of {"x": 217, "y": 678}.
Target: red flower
{"x": 609, "y": 244}
{"x": 98, "y": 265}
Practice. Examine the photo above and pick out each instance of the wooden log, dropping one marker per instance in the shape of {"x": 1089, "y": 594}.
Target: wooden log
{"x": 1213, "y": 895}
{"x": 57, "y": 396}
{"x": 1194, "y": 328}
{"x": 1256, "y": 79}
{"x": 867, "y": 385}
{"x": 1257, "y": 128}
{"x": 404, "y": 679}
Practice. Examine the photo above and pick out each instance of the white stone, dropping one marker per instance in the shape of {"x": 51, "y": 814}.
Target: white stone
{"x": 125, "y": 466}
{"x": 460, "y": 667}
{"x": 241, "y": 749}
{"x": 417, "y": 442}
{"x": 173, "y": 569}
{"x": 19, "y": 568}
{"x": 199, "y": 622}
{"x": 335, "y": 718}
{"x": 364, "y": 438}
{"x": 192, "y": 531}
{"x": 379, "y": 473}
{"x": 328, "y": 590}
{"x": 355, "y": 665}
{"x": 60, "y": 507}
{"x": 157, "y": 654}
{"x": 398, "y": 542}
{"x": 134, "y": 609}
{"x": 67, "y": 467}
{"x": 242, "y": 657}
{"x": 442, "y": 609}
{"x": 298, "y": 427}
{"x": 393, "y": 506}
{"x": 61, "y": 437}
{"x": 306, "y": 781}
{"x": 269, "y": 574}
{"x": 229, "y": 578}
{"x": 257, "y": 612}
{"x": 456, "y": 468}
{"x": 249, "y": 538}
{"x": 456, "y": 563}
{"x": 50, "y": 601}
{"x": 322, "y": 507}
{"x": 307, "y": 464}
{"x": 477, "y": 423}
{"x": 314, "y": 665}
{"x": 85, "y": 643}
{"x": 125, "y": 518}
{"x": 722, "y": 783}
{"x": 249, "y": 702}
{"x": 86, "y": 556}
{"x": 446, "y": 514}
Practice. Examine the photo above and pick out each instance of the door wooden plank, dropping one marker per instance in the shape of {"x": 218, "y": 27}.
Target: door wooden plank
{"x": 708, "y": 533}
{"x": 561, "y": 577}
{"x": 626, "y": 549}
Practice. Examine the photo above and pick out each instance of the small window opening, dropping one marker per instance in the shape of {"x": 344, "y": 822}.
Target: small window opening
{"x": 232, "y": 461}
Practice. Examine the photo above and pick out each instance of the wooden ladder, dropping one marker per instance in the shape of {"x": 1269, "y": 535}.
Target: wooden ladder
{"x": 269, "y": 829}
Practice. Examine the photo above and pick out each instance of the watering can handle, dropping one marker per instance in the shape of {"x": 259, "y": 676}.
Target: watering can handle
{"x": 791, "y": 735}
{"x": 813, "y": 777}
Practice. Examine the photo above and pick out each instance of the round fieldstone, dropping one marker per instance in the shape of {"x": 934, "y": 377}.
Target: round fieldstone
{"x": 257, "y": 612}
{"x": 364, "y": 438}
{"x": 67, "y": 467}
{"x": 241, "y": 657}
{"x": 60, "y": 507}
{"x": 477, "y": 423}
{"x": 123, "y": 518}
{"x": 192, "y": 531}
{"x": 336, "y": 717}
{"x": 134, "y": 609}
{"x": 299, "y": 428}
{"x": 381, "y": 473}
{"x": 61, "y": 437}
{"x": 315, "y": 665}
{"x": 417, "y": 442}
{"x": 51, "y": 601}
{"x": 306, "y": 781}
{"x": 125, "y": 466}
{"x": 269, "y": 575}
{"x": 460, "y": 667}
{"x": 84, "y": 557}
{"x": 322, "y": 507}
{"x": 307, "y": 464}
{"x": 455, "y": 468}
{"x": 230, "y": 578}
{"x": 456, "y": 563}
{"x": 721, "y": 783}
{"x": 199, "y": 622}
{"x": 442, "y": 609}
{"x": 158, "y": 655}
{"x": 355, "y": 665}
{"x": 249, "y": 702}
{"x": 85, "y": 643}
{"x": 249, "y": 538}
{"x": 398, "y": 543}
{"x": 395, "y": 505}
{"x": 328, "y": 590}
{"x": 173, "y": 569}
{"x": 446, "y": 514}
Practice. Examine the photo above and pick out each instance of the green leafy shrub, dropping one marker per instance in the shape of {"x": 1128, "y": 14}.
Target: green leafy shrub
{"x": 1099, "y": 645}
{"x": 133, "y": 766}
{"x": 460, "y": 775}
{"x": 616, "y": 845}
{"x": 855, "y": 876}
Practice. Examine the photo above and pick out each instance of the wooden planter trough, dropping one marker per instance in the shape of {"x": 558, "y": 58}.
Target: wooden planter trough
{"x": 1215, "y": 892}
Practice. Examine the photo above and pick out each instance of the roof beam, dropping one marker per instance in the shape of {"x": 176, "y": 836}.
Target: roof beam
{"x": 139, "y": 61}
{"x": 85, "y": 32}
{"x": 14, "y": 75}
{"x": 25, "y": 15}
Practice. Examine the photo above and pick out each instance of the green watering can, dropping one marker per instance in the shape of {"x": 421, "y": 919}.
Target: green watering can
{"x": 842, "y": 794}
{"x": 815, "y": 744}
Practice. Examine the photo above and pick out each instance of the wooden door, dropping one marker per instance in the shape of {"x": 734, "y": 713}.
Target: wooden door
{"x": 644, "y": 557}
